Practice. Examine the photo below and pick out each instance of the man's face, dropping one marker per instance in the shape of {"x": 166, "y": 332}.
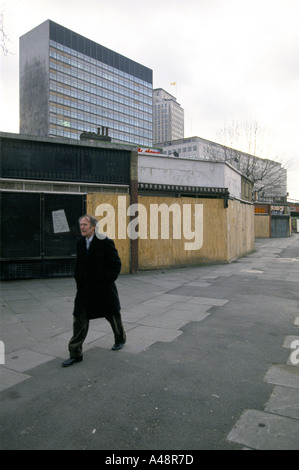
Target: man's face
{"x": 86, "y": 228}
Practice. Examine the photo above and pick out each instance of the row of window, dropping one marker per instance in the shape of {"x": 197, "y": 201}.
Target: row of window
{"x": 98, "y": 72}
{"x": 142, "y": 94}
{"x": 112, "y": 125}
{"x": 184, "y": 149}
{"x": 93, "y": 91}
{"x": 92, "y": 99}
{"x": 90, "y": 60}
{"x": 160, "y": 115}
{"x": 91, "y": 109}
{"x": 94, "y": 115}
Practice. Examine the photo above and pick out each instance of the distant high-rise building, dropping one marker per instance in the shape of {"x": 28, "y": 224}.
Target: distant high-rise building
{"x": 70, "y": 84}
{"x": 168, "y": 117}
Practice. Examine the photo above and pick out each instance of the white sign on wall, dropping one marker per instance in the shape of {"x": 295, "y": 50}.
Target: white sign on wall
{"x": 60, "y": 224}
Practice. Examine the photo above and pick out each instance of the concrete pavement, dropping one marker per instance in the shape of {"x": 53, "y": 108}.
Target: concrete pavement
{"x": 210, "y": 360}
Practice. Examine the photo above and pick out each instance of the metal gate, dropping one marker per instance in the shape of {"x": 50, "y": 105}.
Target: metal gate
{"x": 280, "y": 227}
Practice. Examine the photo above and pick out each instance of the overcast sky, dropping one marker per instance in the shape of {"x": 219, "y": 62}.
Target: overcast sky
{"x": 232, "y": 60}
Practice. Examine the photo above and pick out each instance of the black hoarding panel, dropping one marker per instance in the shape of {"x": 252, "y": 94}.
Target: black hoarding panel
{"x": 38, "y": 225}
{"x": 20, "y": 225}
{"x": 37, "y": 160}
{"x": 58, "y": 162}
{"x": 109, "y": 167}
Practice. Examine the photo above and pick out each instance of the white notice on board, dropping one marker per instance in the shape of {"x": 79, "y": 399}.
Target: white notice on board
{"x": 60, "y": 224}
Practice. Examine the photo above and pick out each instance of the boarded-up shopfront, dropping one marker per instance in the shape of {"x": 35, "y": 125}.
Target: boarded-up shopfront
{"x": 272, "y": 221}
{"x": 169, "y": 213}
{"x": 175, "y": 231}
{"x": 43, "y": 188}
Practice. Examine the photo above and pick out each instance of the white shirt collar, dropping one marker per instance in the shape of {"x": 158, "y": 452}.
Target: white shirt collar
{"x": 88, "y": 242}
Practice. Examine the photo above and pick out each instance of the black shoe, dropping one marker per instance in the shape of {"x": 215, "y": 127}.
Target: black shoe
{"x": 72, "y": 360}
{"x": 118, "y": 346}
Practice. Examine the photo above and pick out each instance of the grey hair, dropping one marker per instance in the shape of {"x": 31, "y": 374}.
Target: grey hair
{"x": 93, "y": 220}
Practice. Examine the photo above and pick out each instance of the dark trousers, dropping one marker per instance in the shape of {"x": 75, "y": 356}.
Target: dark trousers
{"x": 80, "y": 330}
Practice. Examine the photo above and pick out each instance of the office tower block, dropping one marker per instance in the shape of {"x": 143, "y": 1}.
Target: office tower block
{"x": 70, "y": 84}
{"x": 168, "y": 117}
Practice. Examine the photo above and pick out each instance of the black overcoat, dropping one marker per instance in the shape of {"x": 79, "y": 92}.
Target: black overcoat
{"x": 96, "y": 272}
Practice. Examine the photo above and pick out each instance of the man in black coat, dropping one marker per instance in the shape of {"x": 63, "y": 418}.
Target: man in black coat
{"x": 97, "y": 268}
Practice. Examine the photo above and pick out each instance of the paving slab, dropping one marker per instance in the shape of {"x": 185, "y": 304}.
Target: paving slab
{"x": 286, "y": 375}
{"x": 23, "y": 360}
{"x": 10, "y": 378}
{"x": 188, "y": 307}
{"x": 199, "y": 300}
{"x": 27, "y": 305}
{"x": 264, "y": 431}
{"x": 189, "y": 315}
{"x": 284, "y": 401}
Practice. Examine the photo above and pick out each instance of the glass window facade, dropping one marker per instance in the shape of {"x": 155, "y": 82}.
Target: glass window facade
{"x": 91, "y": 86}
